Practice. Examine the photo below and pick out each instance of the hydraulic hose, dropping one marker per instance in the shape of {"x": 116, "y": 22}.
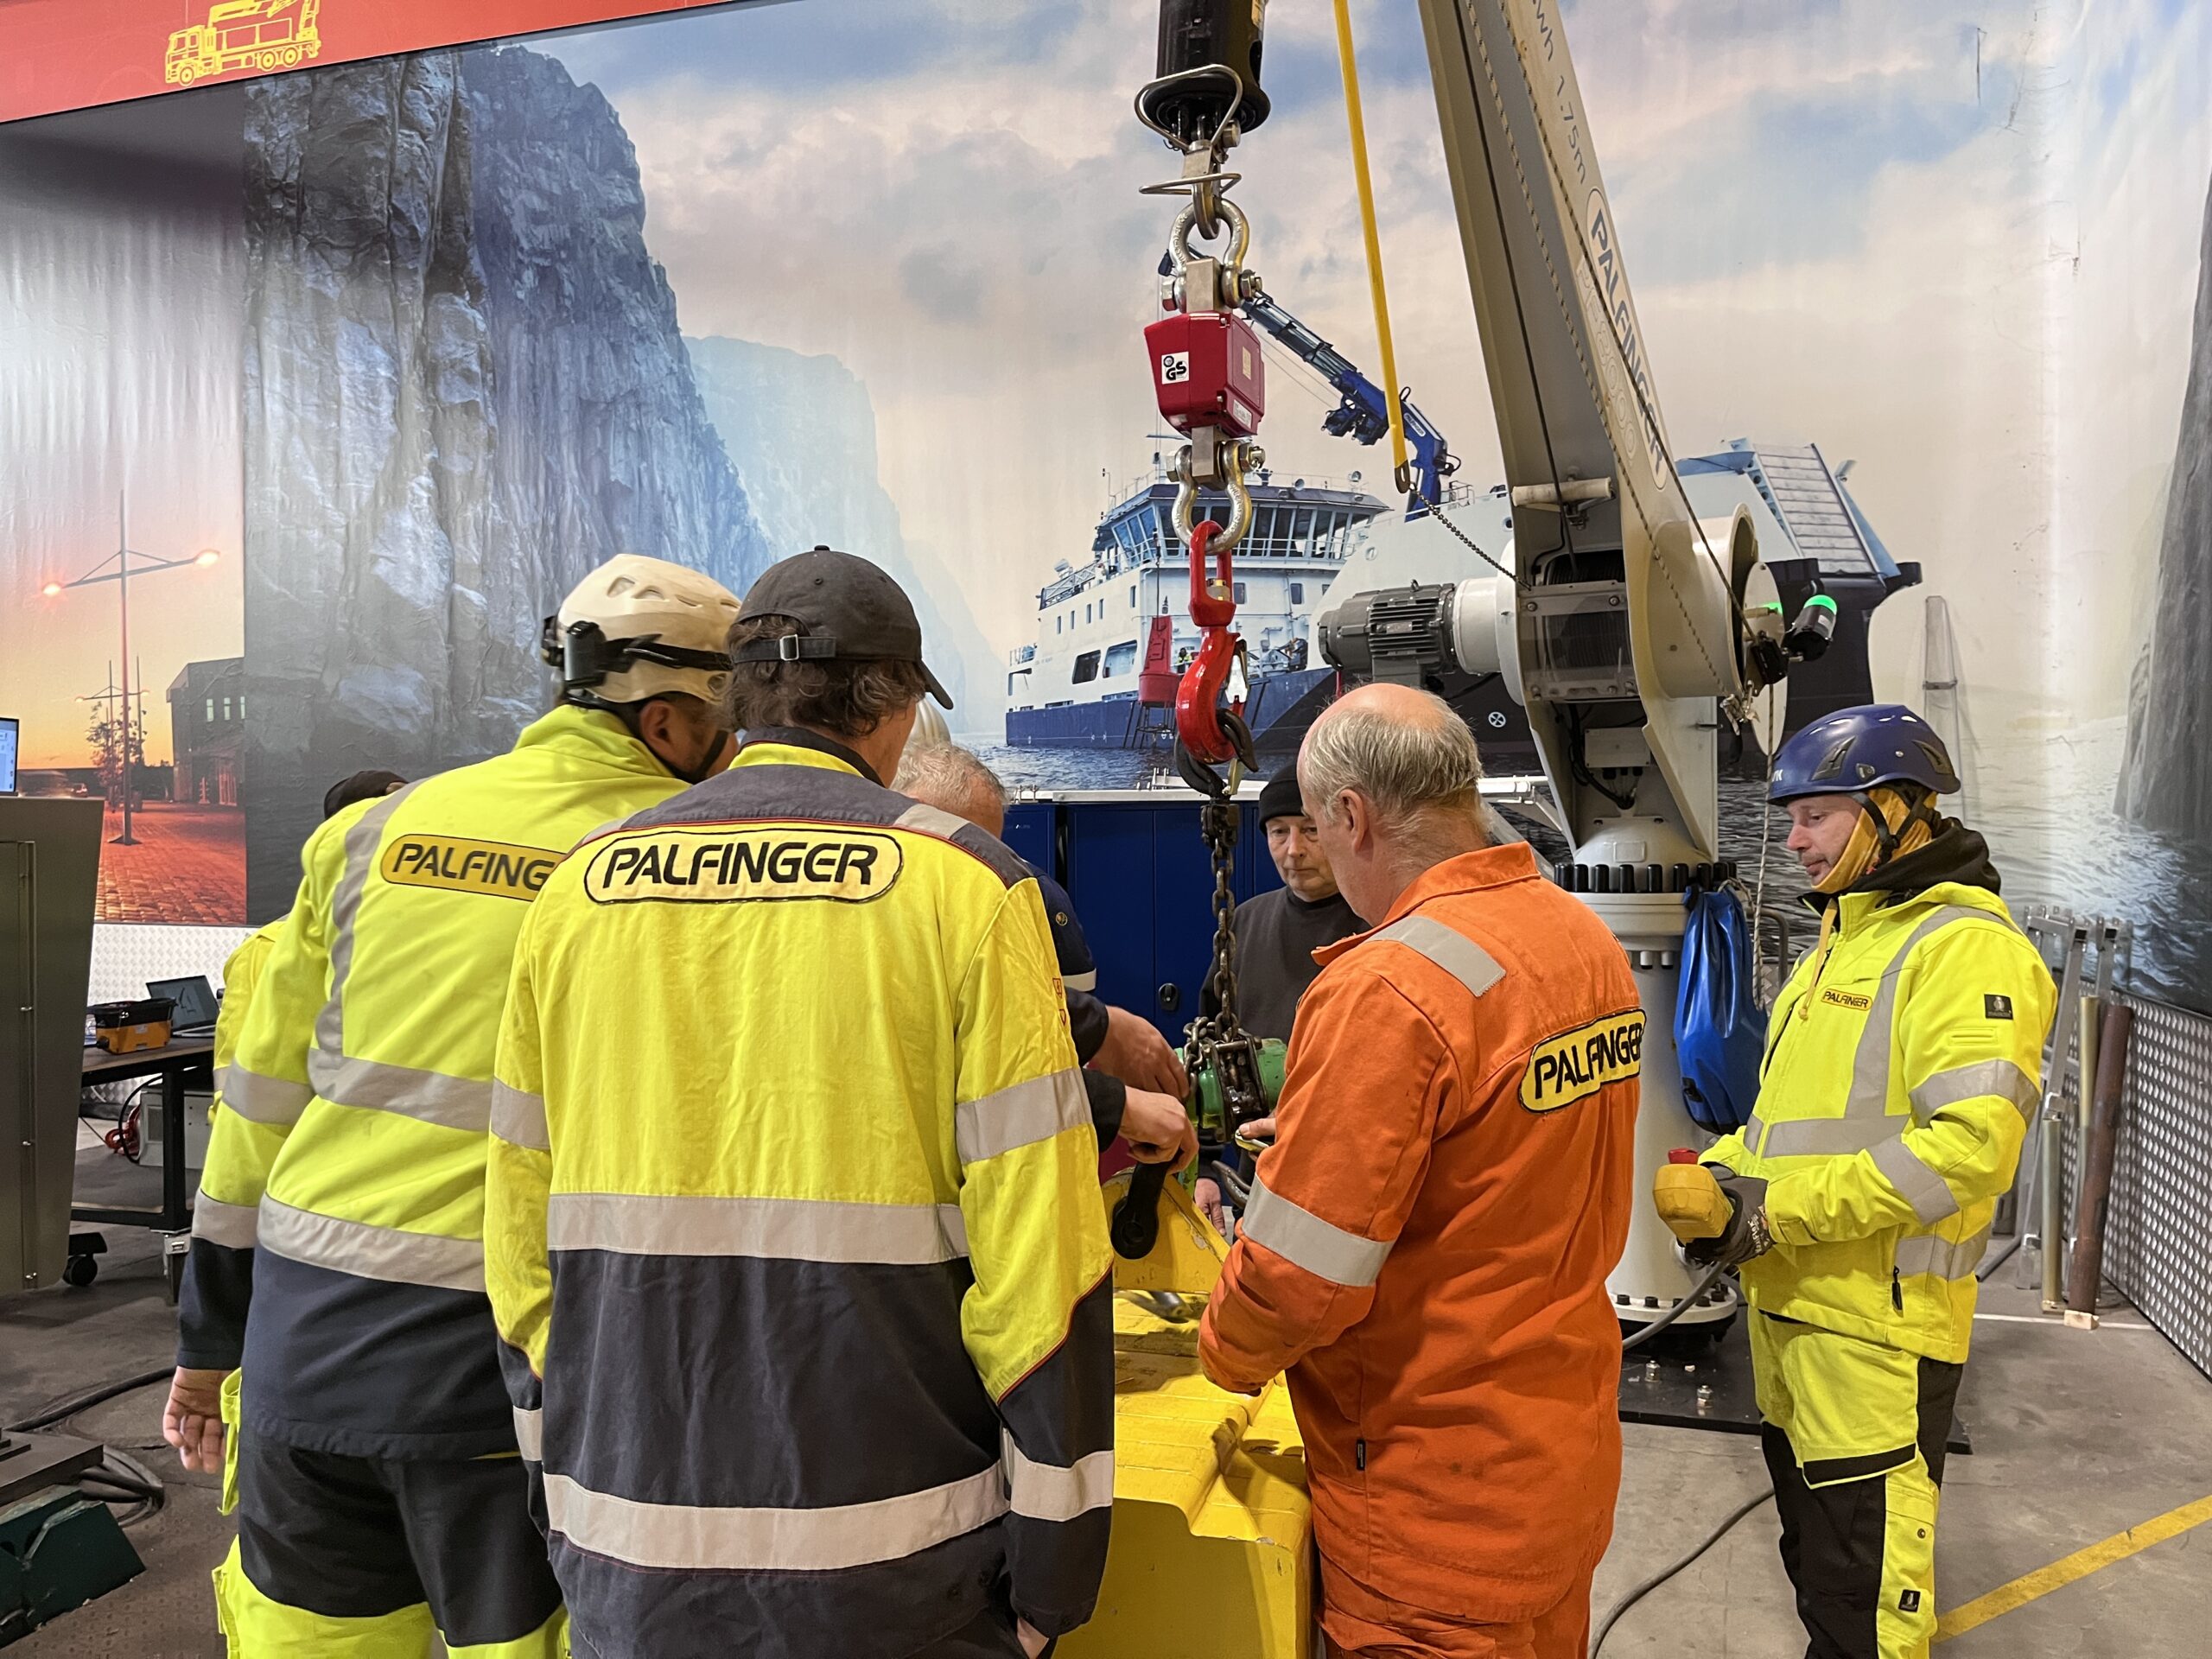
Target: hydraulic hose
{"x": 1605, "y": 1628}
{"x": 1712, "y": 1276}
{"x": 74, "y": 1403}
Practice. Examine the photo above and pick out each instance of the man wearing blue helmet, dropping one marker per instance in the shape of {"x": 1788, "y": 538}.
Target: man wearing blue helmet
{"x": 1904, "y": 1058}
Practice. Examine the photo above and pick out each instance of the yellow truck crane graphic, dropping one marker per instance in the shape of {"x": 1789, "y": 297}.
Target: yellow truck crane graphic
{"x": 244, "y": 35}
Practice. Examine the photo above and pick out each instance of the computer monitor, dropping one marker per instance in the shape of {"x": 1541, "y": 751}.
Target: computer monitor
{"x": 194, "y": 998}
{"x": 10, "y": 732}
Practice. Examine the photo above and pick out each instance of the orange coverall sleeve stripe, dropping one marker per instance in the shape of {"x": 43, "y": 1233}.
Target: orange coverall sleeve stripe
{"x": 1341, "y": 1175}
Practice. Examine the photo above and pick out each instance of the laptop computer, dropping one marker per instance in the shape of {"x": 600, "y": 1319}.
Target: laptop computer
{"x": 196, "y": 1002}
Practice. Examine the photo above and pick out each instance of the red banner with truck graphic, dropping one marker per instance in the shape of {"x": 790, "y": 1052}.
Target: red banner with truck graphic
{"x": 63, "y": 55}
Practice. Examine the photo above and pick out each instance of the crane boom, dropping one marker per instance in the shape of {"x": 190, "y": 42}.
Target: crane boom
{"x": 1364, "y": 414}
{"x": 1626, "y": 615}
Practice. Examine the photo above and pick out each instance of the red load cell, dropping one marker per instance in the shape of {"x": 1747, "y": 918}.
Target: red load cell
{"x": 1208, "y": 371}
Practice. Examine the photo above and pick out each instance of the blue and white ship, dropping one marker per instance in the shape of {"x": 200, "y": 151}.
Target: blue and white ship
{"x": 1113, "y": 633}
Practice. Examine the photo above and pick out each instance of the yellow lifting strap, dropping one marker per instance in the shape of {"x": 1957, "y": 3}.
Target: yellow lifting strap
{"x": 1403, "y": 469}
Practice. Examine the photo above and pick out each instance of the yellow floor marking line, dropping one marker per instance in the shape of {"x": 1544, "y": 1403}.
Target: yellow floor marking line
{"x": 2067, "y": 1569}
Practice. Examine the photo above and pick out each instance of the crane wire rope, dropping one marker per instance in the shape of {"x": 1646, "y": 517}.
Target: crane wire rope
{"x": 1402, "y": 468}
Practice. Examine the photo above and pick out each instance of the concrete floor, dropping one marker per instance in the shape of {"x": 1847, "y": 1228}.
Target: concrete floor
{"x": 2077, "y": 1436}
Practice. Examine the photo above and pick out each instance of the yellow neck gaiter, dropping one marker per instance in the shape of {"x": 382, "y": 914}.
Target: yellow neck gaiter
{"x": 1863, "y": 853}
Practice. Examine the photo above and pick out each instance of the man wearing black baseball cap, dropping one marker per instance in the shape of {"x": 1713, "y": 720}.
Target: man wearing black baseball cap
{"x": 789, "y": 1130}
{"x": 847, "y": 610}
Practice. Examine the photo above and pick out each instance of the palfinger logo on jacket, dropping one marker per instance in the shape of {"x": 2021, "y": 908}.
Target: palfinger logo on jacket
{"x": 723, "y": 866}
{"x": 1576, "y": 1064}
{"x": 493, "y": 867}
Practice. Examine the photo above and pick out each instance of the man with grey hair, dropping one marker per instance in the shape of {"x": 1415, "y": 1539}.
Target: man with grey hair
{"x": 1428, "y": 1243}
{"x": 1132, "y": 1078}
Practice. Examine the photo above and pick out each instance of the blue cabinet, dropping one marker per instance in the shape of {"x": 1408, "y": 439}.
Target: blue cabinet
{"x": 1142, "y": 885}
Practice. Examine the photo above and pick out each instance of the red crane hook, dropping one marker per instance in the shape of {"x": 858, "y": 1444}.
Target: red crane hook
{"x": 1210, "y": 733}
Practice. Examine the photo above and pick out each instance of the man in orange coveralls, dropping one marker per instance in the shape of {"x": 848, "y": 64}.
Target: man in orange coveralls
{"x": 1428, "y": 1244}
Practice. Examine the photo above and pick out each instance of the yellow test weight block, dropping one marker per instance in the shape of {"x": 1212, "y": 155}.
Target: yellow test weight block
{"x": 1213, "y": 1550}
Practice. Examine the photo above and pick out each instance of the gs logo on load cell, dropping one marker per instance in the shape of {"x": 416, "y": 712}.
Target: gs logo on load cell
{"x": 1576, "y": 1064}
{"x": 723, "y": 866}
{"x": 495, "y": 869}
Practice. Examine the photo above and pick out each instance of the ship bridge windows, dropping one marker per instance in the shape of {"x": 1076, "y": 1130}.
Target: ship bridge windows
{"x": 1086, "y": 668}
{"x": 1121, "y": 658}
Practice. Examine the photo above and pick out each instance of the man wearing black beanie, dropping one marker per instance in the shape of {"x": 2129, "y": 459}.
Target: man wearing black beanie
{"x": 1278, "y": 932}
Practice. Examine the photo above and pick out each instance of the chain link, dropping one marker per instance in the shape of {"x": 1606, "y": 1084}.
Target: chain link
{"x": 1217, "y": 827}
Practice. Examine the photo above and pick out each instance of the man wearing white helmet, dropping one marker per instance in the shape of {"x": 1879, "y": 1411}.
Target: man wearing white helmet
{"x": 336, "y": 1354}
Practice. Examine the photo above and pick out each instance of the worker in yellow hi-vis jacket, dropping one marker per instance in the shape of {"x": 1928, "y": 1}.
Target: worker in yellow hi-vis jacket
{"x": 1903, "y": 1062}
{"x": 792, "y": 1227}
{"x": 334, "y": 1319}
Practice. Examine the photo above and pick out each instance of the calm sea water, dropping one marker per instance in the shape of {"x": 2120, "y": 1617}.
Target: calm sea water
{"x": 2043, "y": 800}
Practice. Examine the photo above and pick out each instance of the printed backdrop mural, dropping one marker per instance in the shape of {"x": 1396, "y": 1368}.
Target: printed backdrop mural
{"x": 409, "y": 344}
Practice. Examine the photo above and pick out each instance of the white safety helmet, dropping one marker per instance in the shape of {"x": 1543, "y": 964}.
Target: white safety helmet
{"x": 637, "y": 628}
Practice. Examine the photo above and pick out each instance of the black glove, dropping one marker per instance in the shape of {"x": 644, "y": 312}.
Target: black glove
{"x": 1746, "y": 1234}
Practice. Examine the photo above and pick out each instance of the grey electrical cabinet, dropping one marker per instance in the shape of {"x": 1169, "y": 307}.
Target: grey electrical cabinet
{"x": 49, "y": 870}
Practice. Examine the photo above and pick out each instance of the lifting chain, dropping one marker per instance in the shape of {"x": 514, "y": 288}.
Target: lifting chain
{"x": 1218, "y": 1042}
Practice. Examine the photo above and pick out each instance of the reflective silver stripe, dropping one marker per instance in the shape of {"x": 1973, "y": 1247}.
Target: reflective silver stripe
{"x": 1929, "y": 1193}
{"x": 1753, "y": 1130}
{"x": 1020, "y": 1115}
{"x": 1081, "y": 982}
{"x": 1832, "y": 1137}
{"x": 955, "y": 1224}
{"x": 345, "y": 906}
{"x": 2004, "y": 1078}
{"x": 427, "y": 1096}
{"x": 519, "y": 1119}
{"x": 1869, "y": 1067}
{"x": 389, "y": 1253}
{"x": 1450, "y": 950}
{"x": 231, "y": 1225}
{"x": 929, "y": 820}
{"x": 1050, "y": 1492}
{"x": 694, "y": 1538}
{"x": 1941, "y": 1257}
{"x": 1304, "y": 1240}
{"x": 277, "y": 1101}
{"x": 786, "y": 1229}
{"x": 530, "y": 1434}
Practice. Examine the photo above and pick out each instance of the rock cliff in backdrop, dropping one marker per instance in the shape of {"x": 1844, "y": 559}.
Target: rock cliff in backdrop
{"x": 801, "y": 432}
{"x": 2166, "y": 780}
{"x": 465, "y": 386}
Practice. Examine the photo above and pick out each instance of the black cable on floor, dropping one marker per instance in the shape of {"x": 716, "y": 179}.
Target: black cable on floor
{"x": 76, "y": 1402}
{"x": 129, "y": 1482}
{"x": 1605, "y": 1629}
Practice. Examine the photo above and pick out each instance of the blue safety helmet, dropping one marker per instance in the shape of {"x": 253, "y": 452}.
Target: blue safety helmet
{"x": 1852, "y": 750}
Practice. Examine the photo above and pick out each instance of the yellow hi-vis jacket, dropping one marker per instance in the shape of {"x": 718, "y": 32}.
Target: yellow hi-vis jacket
{"x": 351, "y": 1200}
{"x": 219, "y": 1272}
{"x": 1903, "y": 1061}
{"x": 793, "y": 1227}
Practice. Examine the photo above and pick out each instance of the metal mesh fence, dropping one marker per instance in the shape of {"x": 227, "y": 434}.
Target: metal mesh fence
{"x": 2158, "y": 1220}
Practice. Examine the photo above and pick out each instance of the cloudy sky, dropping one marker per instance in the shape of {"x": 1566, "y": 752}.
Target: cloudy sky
{"x": 1954, "y": 241}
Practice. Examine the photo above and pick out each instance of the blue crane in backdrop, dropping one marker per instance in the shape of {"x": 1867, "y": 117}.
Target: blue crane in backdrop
{"x": 1363, "y": 416}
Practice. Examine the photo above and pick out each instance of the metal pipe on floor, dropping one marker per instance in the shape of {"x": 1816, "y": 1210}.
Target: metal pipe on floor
{"x": 2088, "y": 1267}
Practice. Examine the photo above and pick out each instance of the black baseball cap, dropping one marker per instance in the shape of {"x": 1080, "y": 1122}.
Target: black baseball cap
{"x": 1281, "y": 798}
{"x": 848, "y": 610}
